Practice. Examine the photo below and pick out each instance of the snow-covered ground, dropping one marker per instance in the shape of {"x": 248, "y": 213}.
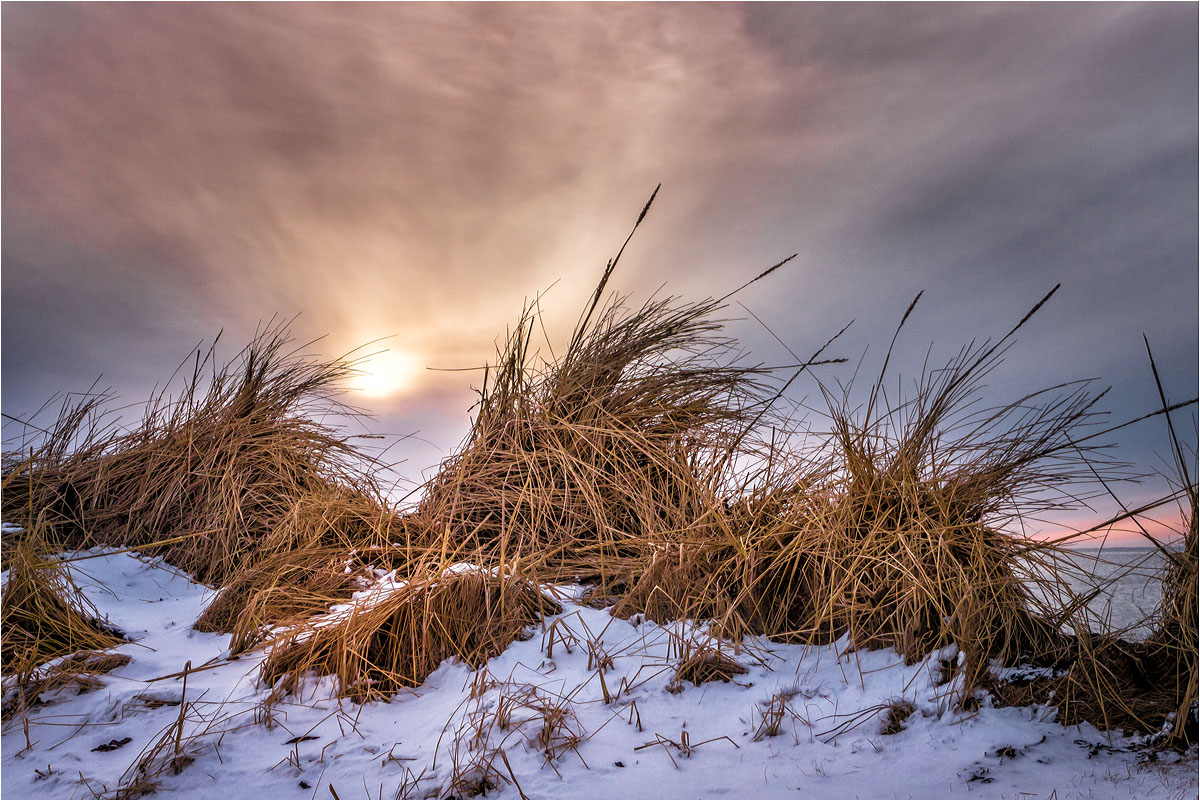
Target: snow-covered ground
{"x": 538, "y": 715}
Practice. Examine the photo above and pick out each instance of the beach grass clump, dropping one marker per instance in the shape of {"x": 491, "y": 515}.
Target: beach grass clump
{"x": 400, "y": 631}
{"x": 623, "y": 462}
{"x": 1145, "y": 686}
{"x": 228, "y": 475}
{"x": 596, "y": 455}
{"x": 1174, "y": 641}
{"x": 589, "y": 458}
{"x": 901, "y": 528}
{"x": 677, "y": 579}
{"x": 765, "y": 571}
{"x": 619, "y": 460}
{"x": 332, "y": 542}
{"x": 51, "y": 635}
{"x": 1108, "y": 677}
{"x": 701, "y": 663}
{"x": 717, "y": 568}
{"x": 45, "y": 615}
{"x": 213, "y": 469}
{"x": 909, "y": 538}
{"x": 37, "y": 498}
{"x": 281, "y": 587}
{"x": 1148, "y": 686}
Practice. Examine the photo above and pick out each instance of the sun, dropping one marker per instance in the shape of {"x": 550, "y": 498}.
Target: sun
{"x": 386, "y": 373}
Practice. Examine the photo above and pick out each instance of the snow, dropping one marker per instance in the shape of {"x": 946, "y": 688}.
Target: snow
{"x": 542, "y": 704}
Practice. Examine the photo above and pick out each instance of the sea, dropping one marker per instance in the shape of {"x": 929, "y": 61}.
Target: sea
{"x": 1130, "y": 584}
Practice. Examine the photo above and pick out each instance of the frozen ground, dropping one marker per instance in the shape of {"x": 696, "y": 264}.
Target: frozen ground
{"x": 538, "y": 715}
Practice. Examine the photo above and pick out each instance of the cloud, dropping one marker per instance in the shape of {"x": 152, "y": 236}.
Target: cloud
{"x": 410, "y": 169}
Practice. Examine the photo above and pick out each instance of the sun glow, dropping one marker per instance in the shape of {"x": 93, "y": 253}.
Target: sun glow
{"x": 386, "y": 373}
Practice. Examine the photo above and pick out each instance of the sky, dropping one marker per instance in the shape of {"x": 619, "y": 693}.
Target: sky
{"x": 417, "y": 172}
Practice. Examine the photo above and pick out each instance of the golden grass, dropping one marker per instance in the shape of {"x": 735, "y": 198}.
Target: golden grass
{"x": 45, "y": 615}
{"x": 79, "y": 671}
{"x": 233, "y": 477}
{"x": 702, "y": 663}
{"x": 614, "y": 463}
{"x": 216, "y": 469}
{"x": 1140, "y": 685}
{"x": 898, "y": 711}
{"x": 1146, "y": 686}
{"x": 396, "y": 639}
{"x": 581, "y": 459}
{"x": 320, "y": 552}
{"x": 903, "y": 537}
{"x": 51, "y": 636}
{"x": 586, "y": 458}
{"x": 1174, "y": 644}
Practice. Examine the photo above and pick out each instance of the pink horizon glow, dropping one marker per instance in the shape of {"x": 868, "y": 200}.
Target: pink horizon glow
{"x": 1167, "y": 528}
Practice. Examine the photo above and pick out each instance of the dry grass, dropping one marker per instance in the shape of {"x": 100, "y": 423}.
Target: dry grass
{"x": 615, "y": 463}
{"x": 584, "y": 459}
{"x": 1149, "y": 686}
{"x": 898, "y": 712}
{"x": 45, "y": 615}
{"x": 51, "y": 634}
{"x": 1146, "y": 686}
{"x": 676, "y": 581}
{"x": 619, "y": 461}
{"x": 906, "y": 538}
{"x": 702, "y": 663}
{"x": 328, "y": 545}
{"x": 772, "y": 713}
{"x": 1174, "y": 646}
{"x": 280, "y": 587}
{"x": 197, "y": 729}
{"x": 1174, "y": 643}
{"x": 216, "y": 469}
{"x": 232, "y": 472}
{"x": 589, "y": 457}
{"x": 396, "y": 638}
{"x": 514, "y": 714}
{"x": 79, "y": 671}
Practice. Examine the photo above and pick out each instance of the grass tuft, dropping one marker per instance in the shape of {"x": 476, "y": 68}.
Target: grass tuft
{"x": 234, "y": 472}
{"x": 395, "y": 636}
{"x": 700, "y": 664}
{"x": 45, "y": 615}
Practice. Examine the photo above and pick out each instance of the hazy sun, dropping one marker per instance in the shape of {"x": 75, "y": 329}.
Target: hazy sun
{"x": 386, "y": 374}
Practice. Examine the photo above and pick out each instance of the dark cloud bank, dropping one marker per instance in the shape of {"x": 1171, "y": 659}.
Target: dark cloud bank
{"x": 418, "y": 170}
